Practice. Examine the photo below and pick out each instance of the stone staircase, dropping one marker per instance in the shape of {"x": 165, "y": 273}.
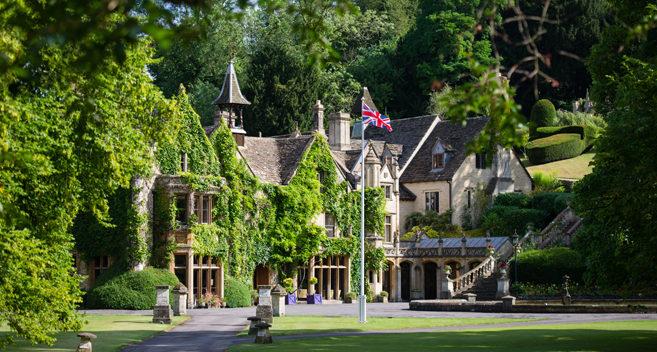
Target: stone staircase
{"x": 485, "y": 289}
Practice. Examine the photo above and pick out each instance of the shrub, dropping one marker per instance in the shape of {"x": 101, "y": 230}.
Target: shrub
{"x": 586, "y": 133}
{"x": 116, "y": 289}
{"x": 553, "y": 148}
{"x": 519, "y": 200}
{"x": 567, "y": 118}
{"x": 237, "y": 293}
{"x": 553, "y": 203}
{"x": 543, "y": 115}
{"x": 548, "y": 266}
{"x": 545, "y": 183}
{"x": 351, "y": 295}
{"x": 503, "y": 220}
{"x": 383, "y": 294}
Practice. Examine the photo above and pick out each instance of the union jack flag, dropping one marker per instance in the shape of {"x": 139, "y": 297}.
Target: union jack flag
{"x": 374, "y": 118}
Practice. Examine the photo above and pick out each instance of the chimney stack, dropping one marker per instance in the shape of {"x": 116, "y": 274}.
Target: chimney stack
{"x": 318, "y": 117}
{"x": 339, "y": 136}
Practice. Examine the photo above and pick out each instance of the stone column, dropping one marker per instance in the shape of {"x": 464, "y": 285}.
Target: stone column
{"x": 311, "y": 274}
{"x": 399, "y": 298}
{"x": 264, "y": 309}
{"x": 179, "y": 300}
{"x": 220, "y": 284}
{"x": 347, "y": 274}
{"x": 190, "y": 280}
{"x": 320, "y": 279}
{"x": 507, "y": 304}
{"x": 447, "y": 289}
{"x": 502, "y": 287}
{"x": 328, "y": 279}
{"x": 318, "y": 117}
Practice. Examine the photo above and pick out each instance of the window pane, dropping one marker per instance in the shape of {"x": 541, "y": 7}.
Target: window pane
{"x": 196, "y": 205}
{"x": 181, "y": 204}
{"x": 180, "y": 260}
{"x": 206, "y": 206}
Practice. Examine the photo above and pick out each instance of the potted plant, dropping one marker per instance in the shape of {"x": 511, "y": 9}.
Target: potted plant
{"x": 447, "y": 270}
{"x": 222, "y": 302}
{"x": 211, "y": 300}
{"x": 291, "y": 298}
{"x": 303, "y": 291}
{"x": 383, "y": 297}
{"x": 502, "y": 269}
{"x": 350, "y": 297}
{"x": 315, "y": 298}
{"x": 254, "y": 297}
{"x": 200, "y": 303}
{"x": 416, "y": 293}
{"x": 490, "y": 250}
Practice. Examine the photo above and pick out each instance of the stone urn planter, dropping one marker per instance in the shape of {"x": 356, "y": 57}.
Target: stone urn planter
{"x": 200, "y": 304}
{"x": 383, "y": 299}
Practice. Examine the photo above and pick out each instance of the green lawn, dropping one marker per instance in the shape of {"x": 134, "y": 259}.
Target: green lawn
{"x": 308, "y": 324}
{"x": 613, "y": 337}
{"x": 113, "y": 331}
{"x": 574, "y": 168}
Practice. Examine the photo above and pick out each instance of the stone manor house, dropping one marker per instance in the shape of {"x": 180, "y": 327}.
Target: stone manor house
{"x": 421, "y": 165}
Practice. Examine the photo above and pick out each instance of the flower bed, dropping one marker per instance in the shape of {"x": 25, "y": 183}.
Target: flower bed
{"x": 540, "y": 291}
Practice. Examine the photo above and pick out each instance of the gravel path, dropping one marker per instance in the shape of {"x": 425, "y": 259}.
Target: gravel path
{"x": 215, "y": 329}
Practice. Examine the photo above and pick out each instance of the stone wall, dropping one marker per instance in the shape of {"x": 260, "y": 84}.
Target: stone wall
{"x": 466, "y": 178}
{"x": 460, "y": 305}
{"x": 420, "y": 189}
{"x": 521, "y": 180}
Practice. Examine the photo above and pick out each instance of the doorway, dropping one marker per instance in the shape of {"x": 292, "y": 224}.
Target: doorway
{"x": 430, "y": 285}
{"x": 405, "y": 281}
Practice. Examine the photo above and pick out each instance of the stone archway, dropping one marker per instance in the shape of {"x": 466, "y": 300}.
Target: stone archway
{"x": 430, "y": 283}
{"x": 405, "y": 281}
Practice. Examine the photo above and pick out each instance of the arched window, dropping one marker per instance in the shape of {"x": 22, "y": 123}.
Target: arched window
{"x": 438, "y": 156}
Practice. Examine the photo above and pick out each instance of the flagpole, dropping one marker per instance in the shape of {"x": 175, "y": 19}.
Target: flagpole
{"x": 361, "y": 299}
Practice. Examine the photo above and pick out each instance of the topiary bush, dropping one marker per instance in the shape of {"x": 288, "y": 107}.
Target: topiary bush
{"x": 587, "y": 133}
{"x": 503, "y": 220}
{"x": 543, "y": 115}
{"x": 237, "y": 293}
{"x": 553, "y": 148}
{"x": 116, "y": 289}
{"x": 548, "y": 266}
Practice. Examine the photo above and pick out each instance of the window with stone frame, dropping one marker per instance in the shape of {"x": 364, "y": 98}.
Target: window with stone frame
{"x": 469, "y": 199}
{"x": 388, "y": 191}
{"x": 181, "y": 208}
{"x": 183, "y": 162}
{"x": 388, "y": 228}
{"x": 203, "y": 209}
{"x": 480, "y": 161}
{"x": 329, "y": 224}
{"x": 432, "y": 201}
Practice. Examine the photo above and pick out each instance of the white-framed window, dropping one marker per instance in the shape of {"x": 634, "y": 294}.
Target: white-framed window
{"x": 183, "y": 162}
{"x": 388, "y": 228}
{"x": 329, "y": 224}
{"x": 432, "y": 201}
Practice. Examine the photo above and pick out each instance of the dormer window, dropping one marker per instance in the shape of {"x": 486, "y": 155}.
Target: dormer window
{"x": 438, "y": 156}
{"x": 183, "y": 162}
{"x": 438, "y": 161}
{"x": 389, "y": 160}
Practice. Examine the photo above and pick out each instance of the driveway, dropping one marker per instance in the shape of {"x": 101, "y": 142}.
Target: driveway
{"x": 215, "y": 329}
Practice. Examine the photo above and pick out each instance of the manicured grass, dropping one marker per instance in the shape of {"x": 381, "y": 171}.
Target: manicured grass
{"x": 114, "y": 332}
{"x": 615, "y": 336}
{"x": 309, "y": 324}
{"x": 574, "y": 168}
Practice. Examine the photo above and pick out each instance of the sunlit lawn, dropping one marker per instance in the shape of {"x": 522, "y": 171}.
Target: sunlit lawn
{"x": 113, "y": 331}
{"x": 309, "y": 324}
{"x": 574, "y": 168}
{"x": 615, "y": 336}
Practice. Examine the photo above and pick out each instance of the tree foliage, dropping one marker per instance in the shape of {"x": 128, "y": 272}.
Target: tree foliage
{"x": 617, "y": 200}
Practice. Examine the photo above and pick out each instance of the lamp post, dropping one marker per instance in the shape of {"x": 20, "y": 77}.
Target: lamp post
{"x": 515, "y": 248}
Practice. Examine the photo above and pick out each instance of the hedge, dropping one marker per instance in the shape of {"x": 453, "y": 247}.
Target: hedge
{"x": 520, "y": 200}
{"x": 553, "y": 203}
{"x": 543, "y": 115}
{"x": 548, "y": 266}
{"x": 587, "y": 133}
{"x": 503, "y": 220}
{"x": 237, "y": 293}
{"x": 116, "y": 289}
{"x": 553, "y": 148}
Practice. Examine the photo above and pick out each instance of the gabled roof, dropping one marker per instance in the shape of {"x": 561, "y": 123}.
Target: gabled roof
{"x": 275, "y": 160}
{"x": 407, "y": 134}
{"x": 230, "y": 91}
{"x": 470, "y": 242}
{"x": 405, "y": 193}
{"x": 456, "y": 137}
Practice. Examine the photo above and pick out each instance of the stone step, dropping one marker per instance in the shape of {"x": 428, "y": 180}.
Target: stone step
{"x": 484, "y": 289}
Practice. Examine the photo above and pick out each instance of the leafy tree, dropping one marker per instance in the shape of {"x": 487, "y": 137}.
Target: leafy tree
{"x": 573, "y": 27}
{"x": 618, "y": 200}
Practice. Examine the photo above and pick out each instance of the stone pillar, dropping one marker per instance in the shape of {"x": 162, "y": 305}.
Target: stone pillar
{"x": 179, "y": 300}
{"x": 318, "y": 117}
{"x": 502, "y": 287}
{"x": 278, "y": 301}
{"x": 263, "y": 336}
{"x": 507, "y": 304}
{"x": 320, "y": 280}
{"x": 347, "y": 274}
{"x": 220, "y": 284}
{"x": 311, "y": 274}
{"x": 328, "y": 279}
{"x": 264, "y": 310}
{"x": 463, "y": 244}
{"x": 447, "y": 289}
{"x": 162, "y": 311}
{"x": 399, "y": 283}
{"x": 191, "y": 303}
{"x": 337, "y": 280}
